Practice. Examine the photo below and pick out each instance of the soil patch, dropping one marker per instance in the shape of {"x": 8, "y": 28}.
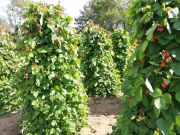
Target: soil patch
{"x": 9, "y": 124}
{"x": 103, "y": 113}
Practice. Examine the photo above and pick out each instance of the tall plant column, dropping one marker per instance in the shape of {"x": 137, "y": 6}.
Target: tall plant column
{"x": 152, "y": 86}
{"x": 100, "y": 74}
{"x": 54, "y": 101}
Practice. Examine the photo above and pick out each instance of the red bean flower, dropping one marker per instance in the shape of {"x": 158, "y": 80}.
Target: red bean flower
{"x": 168, "y": 59}
{"x": 165, "y": 53}
{"x": 160, "y": 29}
{"x": 162, "y": 64}
{"x": 154, "y": 39}
{"x": 138, "y": 42}
{"x": 164, "y": 85}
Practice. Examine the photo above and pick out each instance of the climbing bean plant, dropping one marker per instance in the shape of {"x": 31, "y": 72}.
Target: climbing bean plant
{"x": 100, "y": 76}
{"x": 121, "y": 48}
{"x": 54, "y": 100}
{"x": 152, "y": 86}
{"x": 9, "y": 99}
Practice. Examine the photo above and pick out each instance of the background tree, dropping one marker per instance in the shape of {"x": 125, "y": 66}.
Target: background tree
{"x": 15, "y": 10}
{"x": 109, "y": 14}
{"x": 4, "y": 29}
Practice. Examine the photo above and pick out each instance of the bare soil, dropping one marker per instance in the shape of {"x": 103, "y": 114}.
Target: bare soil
{"x": 102, "y": 116}
{"x": 9, "y": 124}
{"x": 103, "y": 113}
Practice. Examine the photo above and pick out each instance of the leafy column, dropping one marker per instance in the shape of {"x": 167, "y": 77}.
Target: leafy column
{"x": 151, "y": 90}
{"x": 9, "y": 99}
{"x": 101, "y": 77}
{"x": 54, "y": 101}
{"x": 121, "y": 48}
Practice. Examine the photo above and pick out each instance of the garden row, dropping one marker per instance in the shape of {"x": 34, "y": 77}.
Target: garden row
{"x": 48, "y": 70}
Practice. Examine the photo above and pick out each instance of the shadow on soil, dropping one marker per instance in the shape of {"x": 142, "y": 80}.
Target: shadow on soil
{"x": 105, "y": 106}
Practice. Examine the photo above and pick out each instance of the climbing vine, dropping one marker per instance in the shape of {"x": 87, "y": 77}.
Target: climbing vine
{"x": 9, "y": 99}
{"x": 100, "y": 76}
{"x": 151, "y": 89}
{"x": 121, "y": 48}
{"x": 54, "y": 100}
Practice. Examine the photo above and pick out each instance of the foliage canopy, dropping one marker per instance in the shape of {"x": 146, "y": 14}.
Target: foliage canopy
{"x": 109, "y": 14}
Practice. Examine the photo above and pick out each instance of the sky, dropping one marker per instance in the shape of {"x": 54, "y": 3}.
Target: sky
{"x": 72, "y": 7}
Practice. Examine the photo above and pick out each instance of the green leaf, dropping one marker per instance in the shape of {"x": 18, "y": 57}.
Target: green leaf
{"x": 148, "y": 85}
{"x": 176, "y": 87}
{"x": 176, "y": 68}
{"x": 144, "y": 45}
{"x": 35, "y": 103}
{"x": 169, "y": 36}
{"x": 51, "y": 27}
{"x": 156, "y": 112}
{"x": 53, "y": 123}
{"x": 42, "y": 50}
{"x": 51, "y": 75}
{"x": 178, "y": 120}
{"x": 38, "y": 80}
{"x": 178, "y": 96}
{"x": 32, "y": 43}
{"x": 168, "y": 27}
{"x": 163, "y": 125}
{"x": 172, "y": 46}
{"x": 138, "y": 94}
{"x": 156, "y": 7}
{"x": 156, "y": 93}
{"x": 147, "y": 17}
{"x": 176, "y": 25}
{"x": 177, "y": 38}
{"x": 167, "y": 98}
{"x": 138, "y": 82}
{"x": 35, "y": 94}
{"x": 176, "y": 54}
{"x": 150, "y": 32}
{"x": 41, "y": 19}
{"x": 58, "y": 7}
{"x": 69, "y": 18}
{"x": 156, "y": 133}
{"x": 163, "y": 41}
{"x": 160, "y": 103}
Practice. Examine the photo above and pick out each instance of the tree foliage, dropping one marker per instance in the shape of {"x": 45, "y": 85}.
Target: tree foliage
{"x": 54, "y": 101}
{"x": 109, "y": 14}
{"x": 151, "y": 90}
{"x": 4, "y": 29}
{"x": 15, "y": 10}
{"x": 100, "y": 76}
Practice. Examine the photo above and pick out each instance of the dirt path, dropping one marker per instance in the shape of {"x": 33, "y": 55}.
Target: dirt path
{"x": 101, "y": 119}
{"x": 102, "y": 116}
{"x": 9, "y": 124}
